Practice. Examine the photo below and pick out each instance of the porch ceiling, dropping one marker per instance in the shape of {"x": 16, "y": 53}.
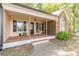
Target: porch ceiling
{"x": 27, "y": 11}
{"x": 26, "y": 16}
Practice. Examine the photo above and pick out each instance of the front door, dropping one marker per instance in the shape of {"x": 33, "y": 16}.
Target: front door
{"x": 32, "y": 30}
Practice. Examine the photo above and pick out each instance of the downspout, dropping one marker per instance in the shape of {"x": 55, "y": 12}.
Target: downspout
{"x": 1, "y": 27}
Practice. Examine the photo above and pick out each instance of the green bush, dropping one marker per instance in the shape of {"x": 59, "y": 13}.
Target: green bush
{"x": 63, "y": 36}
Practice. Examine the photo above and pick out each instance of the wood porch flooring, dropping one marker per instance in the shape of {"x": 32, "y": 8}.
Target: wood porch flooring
{"x": 20, "y": 38}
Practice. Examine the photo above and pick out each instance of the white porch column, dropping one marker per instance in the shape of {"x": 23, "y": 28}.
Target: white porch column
{"x": 29, "y": 26}
{"x": 46, "y": 27}
{"x": 34, "y": 28}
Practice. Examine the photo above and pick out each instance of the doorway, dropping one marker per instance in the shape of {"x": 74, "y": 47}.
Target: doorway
{"x": 32, "y": 25}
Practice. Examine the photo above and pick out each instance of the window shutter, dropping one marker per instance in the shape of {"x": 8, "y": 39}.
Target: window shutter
{"x": 14, "y": 26}
{"x": 42, "y": 27}
{"x": 36, "y": 25}
{"x": 24, "y": 26}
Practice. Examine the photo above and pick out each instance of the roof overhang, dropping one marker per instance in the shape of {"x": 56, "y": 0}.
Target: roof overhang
{"x": 59, "y": 12}
{"x": 20, "y": 9}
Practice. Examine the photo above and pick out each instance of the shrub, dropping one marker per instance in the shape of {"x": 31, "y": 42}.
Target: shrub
{"x": 63, "y": 36}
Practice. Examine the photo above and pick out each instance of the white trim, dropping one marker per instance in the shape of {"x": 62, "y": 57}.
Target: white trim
{"x": 40, "y": 42}
{"x": 58, "y": 12}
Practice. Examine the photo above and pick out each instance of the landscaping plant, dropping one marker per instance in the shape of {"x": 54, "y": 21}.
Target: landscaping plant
{"x": 63, "y": 36}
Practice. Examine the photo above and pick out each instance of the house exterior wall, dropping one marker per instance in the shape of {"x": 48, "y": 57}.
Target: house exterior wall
{"x": 6, "y": 25}
{"x": 11, "y": 25}
{"x": 58, "y": 22}
{"x": 53, "y": 26}
{"x": 18, "y": 18}
{"x": 57, "y": 25}
{"x": 66, "y": 20}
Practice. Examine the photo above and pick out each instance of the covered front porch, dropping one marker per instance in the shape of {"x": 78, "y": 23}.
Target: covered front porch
{"x": 22, "y": 26}
{"x": 35, "y": 30}
{"x": 26, "y": 26}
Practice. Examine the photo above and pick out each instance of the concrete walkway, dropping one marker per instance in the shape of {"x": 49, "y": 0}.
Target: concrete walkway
{"x": 50, "y": 49}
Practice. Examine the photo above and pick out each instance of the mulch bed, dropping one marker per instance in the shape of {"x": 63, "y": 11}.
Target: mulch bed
{"x": 59, "y": 42}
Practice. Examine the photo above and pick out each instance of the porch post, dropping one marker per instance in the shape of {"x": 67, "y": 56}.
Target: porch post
{"x": 46, "y": 27}
{"x": 29, "y": 27}
{"x": 35, "y": 26}
{"x": 1, "y": 27}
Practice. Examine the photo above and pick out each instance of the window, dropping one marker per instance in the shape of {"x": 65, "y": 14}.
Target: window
{"x": 62, "y": 24}
{"x": 19, "y": 26}
{"x": 24, "y": 26}
{"x": 42, "y": 27}
{"x": 36, "y": 25}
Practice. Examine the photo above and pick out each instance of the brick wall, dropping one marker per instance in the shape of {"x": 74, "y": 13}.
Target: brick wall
{"x": 58, "y": 22}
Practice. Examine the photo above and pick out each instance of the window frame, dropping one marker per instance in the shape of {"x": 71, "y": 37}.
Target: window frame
{"x": 25, "y": 26}
{"x": 62, "y": 23}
